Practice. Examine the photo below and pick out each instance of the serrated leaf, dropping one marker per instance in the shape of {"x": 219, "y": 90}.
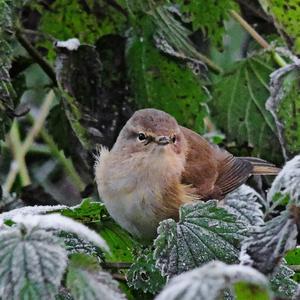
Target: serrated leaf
{"x": 87, "y": 211}
{"x": 286, "y": 183}
{"x": 269, "y": 243}
{"x": 87, "y": 282}
{"x": 285, "y": 13}
{"x": 32, "y": 263}
{"x": 281, "y": 282}
{"x": 239, "y": 107}
{"x": 209, "y": 281}
{"x": 160, "y": 82}
{"x": 245, "y": 203}
{"x": 143, "y": 274}
{"x": 204, "y": 232}
{"x": 208, "y": 16}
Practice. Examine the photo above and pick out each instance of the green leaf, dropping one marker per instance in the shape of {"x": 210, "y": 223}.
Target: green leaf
{"x": 238, "y": 107}
{"x": 281, "y": 282}
{"x": 86, "y": 212}
{"x": 293, "y": 257}
{"x": 32, "y": 263}
{"x": 209, "y": 282}
{"x": 284, "y": 104}
{"x": 204, "y": 232}
{"x": 208, "y": 16}
{"x": 269, "y": 243}
{"x": 143, "y": 274}
{"x": 120, "y": 243}
{"x": 87, "y": 282}
{"x": 286, "y": 14}
{"x": 159, "y": 81}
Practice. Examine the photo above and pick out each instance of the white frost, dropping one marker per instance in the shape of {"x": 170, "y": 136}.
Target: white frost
{"x": 30, "y": 210}
{"x": 287, "y": 181}
{"x": 70, "y": 44}
{"x": 208, "y": 281}
{"x": 56, "y": 221}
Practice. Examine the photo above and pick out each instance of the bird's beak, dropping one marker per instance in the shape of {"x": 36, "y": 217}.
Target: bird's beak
{"x": 162, "y": 140}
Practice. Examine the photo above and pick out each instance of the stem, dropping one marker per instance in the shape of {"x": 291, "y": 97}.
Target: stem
{"x": 15, "y": 142}
{"x": 38, "y": 124}
{"x": 119, "y": 277}
{"x": 257, "y": 37}
{"x": 36, "y": 56}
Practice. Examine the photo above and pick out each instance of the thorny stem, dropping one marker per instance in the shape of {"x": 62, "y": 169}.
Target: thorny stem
{"x": 15, "y": 166}
{"x": 257, "y": 37}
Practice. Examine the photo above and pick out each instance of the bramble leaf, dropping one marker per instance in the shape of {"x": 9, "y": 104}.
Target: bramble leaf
{"x": 204, "y": 232}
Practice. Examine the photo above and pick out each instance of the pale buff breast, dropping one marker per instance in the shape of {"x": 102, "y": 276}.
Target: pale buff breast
{"x": 133, "y": 187}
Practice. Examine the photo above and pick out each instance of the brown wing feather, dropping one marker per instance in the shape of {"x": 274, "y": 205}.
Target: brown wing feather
{"x": 211, "y": 171}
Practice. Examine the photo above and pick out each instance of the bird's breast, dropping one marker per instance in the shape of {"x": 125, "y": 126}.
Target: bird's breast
{"x": 136, "y": 190}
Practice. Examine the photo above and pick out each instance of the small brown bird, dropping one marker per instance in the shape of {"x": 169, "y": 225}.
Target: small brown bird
{"x": 156, "y": 165}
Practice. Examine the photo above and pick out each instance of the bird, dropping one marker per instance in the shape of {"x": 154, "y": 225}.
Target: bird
{"x": 156, "y": 165}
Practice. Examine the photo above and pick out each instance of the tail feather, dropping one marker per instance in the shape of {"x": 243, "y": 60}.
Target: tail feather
{"x": 261, "y": 167}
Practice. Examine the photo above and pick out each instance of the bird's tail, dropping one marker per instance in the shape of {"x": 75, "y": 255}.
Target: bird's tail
{"x": 261, "y": 167}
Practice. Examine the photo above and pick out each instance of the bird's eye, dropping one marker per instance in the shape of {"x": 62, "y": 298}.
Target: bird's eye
{"x": 141, "y": 137}
{"x": 174, "y": 139}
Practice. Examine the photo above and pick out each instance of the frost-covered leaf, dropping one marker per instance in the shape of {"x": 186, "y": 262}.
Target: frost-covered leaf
{"x": 284, "y": 104}
{"x": 32, "y": 263}
{"x": 209, "y": 281}
{"x": 286, "y": 14}
{"x": 204, "y": 232}
{"x": 281, "y": 282}
{"x": 86, "y": 281}
{"x": 287, "y": 183}
{"x": 238, "y": 107}
{"x": 208, "y": 16}
{"x": 30, "y": 210}
{"x": 143, "y": 274}
{"x": 87, "y": 211}
{"x": 160, "y": 82}
{"x": 245, "y": 203}
{"x": 58, "y": 222}
{"x": 269, "y": 243}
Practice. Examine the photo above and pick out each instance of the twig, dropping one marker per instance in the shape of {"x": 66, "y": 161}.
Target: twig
{"x": 257, "y": 37}
{"x": 36, "y": 56}
{"x": 116, "y": 265}
{"x": 15, "y": 167}
{"x": 117, "y": 7}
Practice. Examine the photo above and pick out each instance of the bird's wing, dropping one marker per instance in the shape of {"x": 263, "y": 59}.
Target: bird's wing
{"x": 211, "y": 171}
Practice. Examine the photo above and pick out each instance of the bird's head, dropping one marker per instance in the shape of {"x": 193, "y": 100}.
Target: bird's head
{"x": 151, "y": 131}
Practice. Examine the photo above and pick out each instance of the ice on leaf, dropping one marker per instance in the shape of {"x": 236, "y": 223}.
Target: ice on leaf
{"x": 58, "y": 222}
{"x": 204, "y": 232}
{"x": 245, "y": 203}
{"x": 32, "y": 263}
{"x": 86, "y": 281}
{"x": 287, "y": 182}
{"x": 209, "y": 281}
{"x": 268, "y": 243}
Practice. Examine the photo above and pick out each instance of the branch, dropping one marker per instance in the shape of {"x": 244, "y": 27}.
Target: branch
{"x": 116, "y": 265}
{"x": 36, "y": 56}
{"x": 257, "y": 37}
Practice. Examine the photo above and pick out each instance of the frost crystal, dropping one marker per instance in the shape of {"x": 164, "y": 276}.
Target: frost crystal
{"x": 70, "y": 44}
{"x": 209, "y": 281}
{"x": 58, "y": 222}
{"x": 205, "y": 232}
{"x": 288, "y": 181}
{"x": 31, "y": 262}
{"x": 268, "y": 243}
{"x": 30, "y": 210}
{"x": 244, "y": 203}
